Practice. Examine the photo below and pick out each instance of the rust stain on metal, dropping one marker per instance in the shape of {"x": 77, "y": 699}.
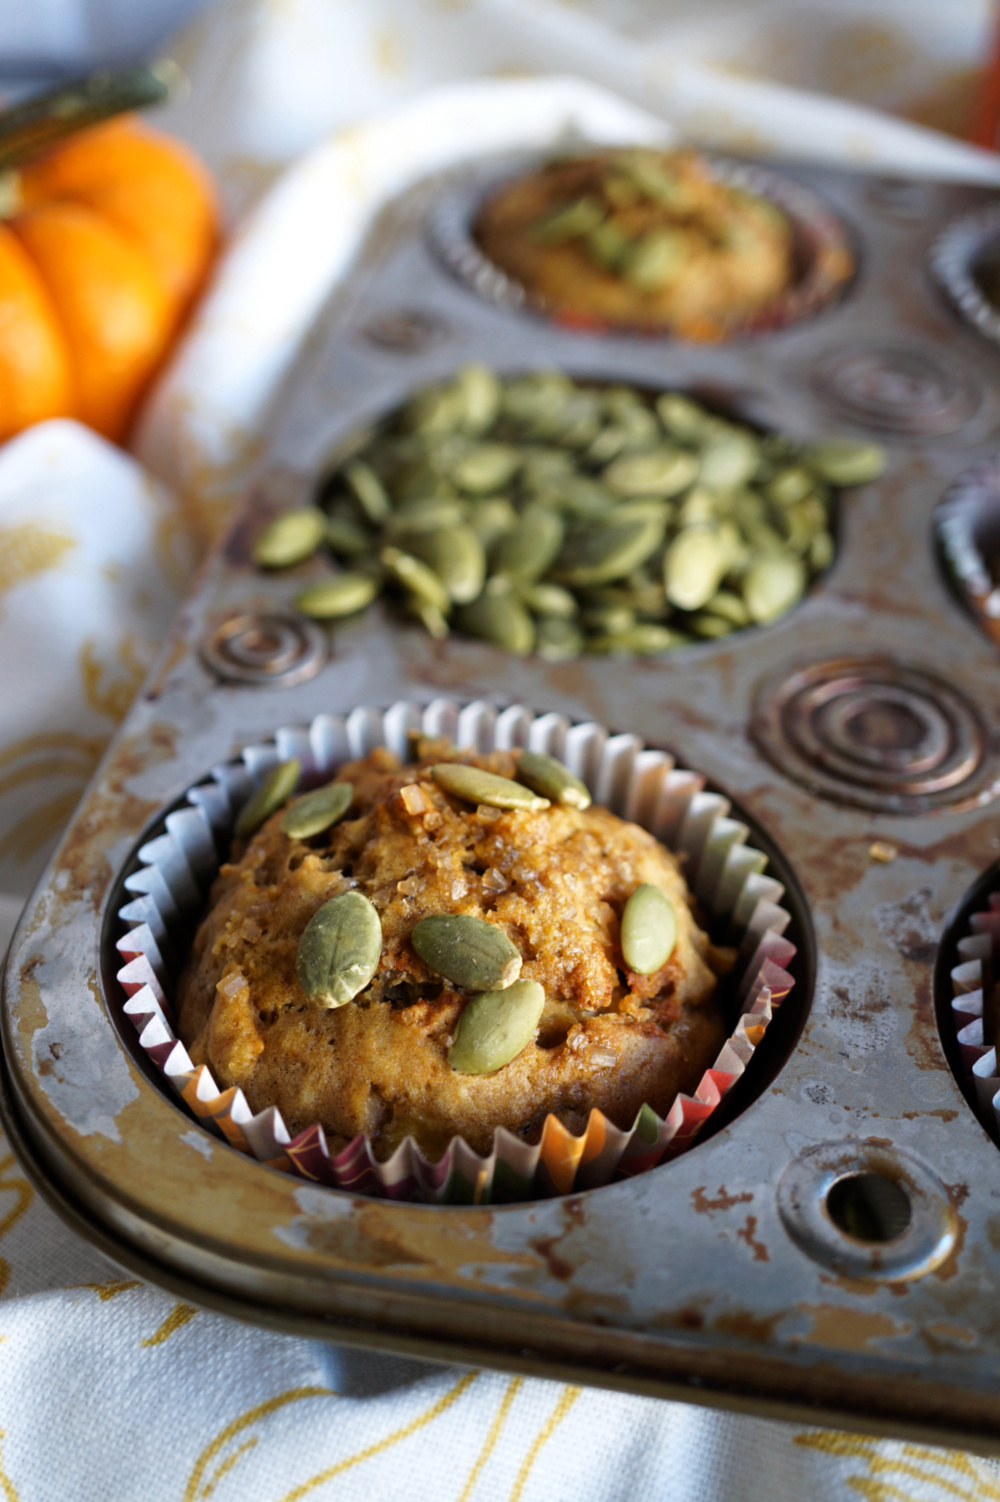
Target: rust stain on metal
{"x": 843, "y": 1329}
{"x": 723, "y": 1200}
{"x": 957, "y": 1194}
{"x": 746, "y": 1326}
{"x": 31, "y": 1013}
{"x": 941, "y": 1335}
{"x": 946, "y": 1113}
{"x": 558, "y": 1266}
{"x": 111, "y": 812}
{"x": 376, "y": 1236}
{"x": 746, "y": 1233}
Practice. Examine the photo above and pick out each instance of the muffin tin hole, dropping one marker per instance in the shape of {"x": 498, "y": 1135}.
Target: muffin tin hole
{"x": 967, "y": 528}
{"x": 965, "y": 263}
{"x": 869, "y": 1207}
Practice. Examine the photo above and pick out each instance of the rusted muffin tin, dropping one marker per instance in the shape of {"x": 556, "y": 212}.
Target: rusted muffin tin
{"x": 830, "y": 1252}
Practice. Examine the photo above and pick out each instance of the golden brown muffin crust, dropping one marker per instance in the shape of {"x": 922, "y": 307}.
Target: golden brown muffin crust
{"x": 555, "y": 881}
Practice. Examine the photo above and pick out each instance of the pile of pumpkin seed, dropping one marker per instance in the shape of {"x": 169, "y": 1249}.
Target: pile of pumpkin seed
{"x": 560, "y": 518}
{"x": 341, "y": 945}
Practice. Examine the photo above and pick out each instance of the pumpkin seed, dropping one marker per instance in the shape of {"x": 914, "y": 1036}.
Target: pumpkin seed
{"x": 608, "y": 618}
{"x": 558, "y": 640}
{"x": 495, "y": 1027}
{"x": 278, "y": 785}
{"x": 729, "y": 607}
{"x": 290, "y": 538}
{"x": 500, "y": 619}
{"x": 491, "y": 517}
{"x": 314, "y": 812}
{"x": 437, "y": 411}
{"x": 529, "y": 548}
{"x": 694, "y": 566}
{"x": 644, "y": 639}
{"x": 368, "y": 491}
{"x": 790, "y": 485}
{"x": 485, "y": 467}
{"x": 650, "y": 176}
{"x": 772, "y": 585}
{"x": 480, "y": 393}
{"x": 426, "y": 515}
{"x": 466, "y": 950}
{"x": 681, "y": 417}
{"x": 662, "y": 471}
{"x": 342, "y": 595}
{"x": 648, "y": 929}
{"x": 434, "y": 622}
{"x": 478, "y": 786}
{"x": 845, "y": 462}
{"x": 597, "y": 554}
{"x": 656, "y": 258}
{"x": 577, "y": 496}
{"x": 711, "y": 627}
{"x": 607, "y": 244}
{"x": 608, "y": 444}
{"x": 821, "y": 551}
{"x": 339, "y": 950}
{"x": 416, "y": 578}
{"x": 345, "y": 538}
{"x": 644, "y": 508}
{"x": 457, "y": 557}
{"x": 730, "y": 458}
{"x": 570, "y": 222}
{"x": 548, "y": 600}
{"x": 547, "y": 776}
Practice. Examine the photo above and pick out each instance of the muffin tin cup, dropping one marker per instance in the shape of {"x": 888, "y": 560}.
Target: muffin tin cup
{"x": 826, "y": 259}
{"x": 645, "y": 786}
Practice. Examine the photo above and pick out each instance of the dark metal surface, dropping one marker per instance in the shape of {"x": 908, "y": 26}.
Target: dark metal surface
{"x": 721, "y": 1276}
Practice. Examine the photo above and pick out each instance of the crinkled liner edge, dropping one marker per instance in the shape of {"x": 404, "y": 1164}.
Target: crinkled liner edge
{"x": 169, "y": 888}
{"x": 815, "y": 222}
{"x": 952, "y": 258}
{"x": 971, "y": 979}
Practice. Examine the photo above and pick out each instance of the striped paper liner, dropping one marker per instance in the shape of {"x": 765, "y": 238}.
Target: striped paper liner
{"x": 972, "y": 979}
{"x": 169, "y": 889}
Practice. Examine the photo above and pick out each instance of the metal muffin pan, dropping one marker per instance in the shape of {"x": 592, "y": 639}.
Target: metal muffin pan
{"x": 748, "y": 1272}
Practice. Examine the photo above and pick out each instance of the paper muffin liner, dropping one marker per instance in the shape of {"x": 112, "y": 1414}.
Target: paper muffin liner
{"x": 823, "y": 251}
{"x": 955, "y": 259}
{"x": 170, "y": 886}
{"x": 973, "y": 984}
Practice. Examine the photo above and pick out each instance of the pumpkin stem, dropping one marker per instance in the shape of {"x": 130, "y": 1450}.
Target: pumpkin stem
{"x": 29, "y": 129}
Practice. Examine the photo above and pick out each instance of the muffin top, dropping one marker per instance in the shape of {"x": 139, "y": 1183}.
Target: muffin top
{"x": 551, "y": 882}
{"x": 640, "y": 237}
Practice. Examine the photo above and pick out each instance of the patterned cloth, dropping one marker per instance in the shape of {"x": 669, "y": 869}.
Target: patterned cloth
{"x": 115, "y": 1391}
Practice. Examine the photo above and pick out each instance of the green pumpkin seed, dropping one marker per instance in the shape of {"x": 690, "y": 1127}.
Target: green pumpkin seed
{"x": 558, "y": 640}
{"x": 657, "y": 258}
{"x": 790, "y": 485}
{"x": 772, "y": 585}
{"x": 845, "y": 462}
{"x": 609, "y": 619}
{"x": 428, "y": 514}
{"x": 694, "y": 566}
{"x": 729, "y": 607}
{"x": 346, "y": 538}
{"x": 495, "y": 1027}
{"x": 290, "y": 538}
{"x": 314, "y": 812}
{"x": 577, "y": 496}
{"x": 480, "y": 394}
{"x": 547, "y": 776}
{"x": 530, "y": 547}
{"x": 339, "y": 950}
{"x": 435, "y": 412}
{"x": 491, "y": 517}
{"x": 661, "y": 471}
{"x": 648, "y": 930}
{"x": 548, "y": 600}
{"x": 821, "y": 551}
{"x": 570, "y": 222}
{"x": 434, "y": 622}
{"x": 650, "y": 176}
{"x": 644, "y": 639}
{"x": 500, "y": 619}
{"x": 368, "y": 491}
{"x": 597, "y": 554}
{"x": 416, "y": 578}
{"x": 609, "y": 443}
{"x": 644, "y": 508}
{"x": 457, "y": 557}
{"x": 468, "y": 951}
{"x": 344, "y": 594}
{"x": 710, "y": 627}
{"x": 699, "y": 505}
{"x": 607, "y": 244}
{"x": 730, "y": 458}
{"x": 681, "y": 417}
{"x": 278, "y": 785}
{"x": 477, "y": 786}
{"x": 484, "y": 467}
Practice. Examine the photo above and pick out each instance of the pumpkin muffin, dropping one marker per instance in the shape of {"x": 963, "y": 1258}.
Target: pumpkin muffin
{"x": 548, "y": 880}
{"x": 640, "y": 238}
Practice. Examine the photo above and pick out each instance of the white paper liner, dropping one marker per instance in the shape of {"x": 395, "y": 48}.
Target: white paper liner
{"x": 972, "y": 979}
{"x": 642, "y": 785}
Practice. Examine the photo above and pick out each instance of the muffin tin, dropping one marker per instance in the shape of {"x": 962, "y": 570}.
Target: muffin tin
{"x": 829, "y": 1252}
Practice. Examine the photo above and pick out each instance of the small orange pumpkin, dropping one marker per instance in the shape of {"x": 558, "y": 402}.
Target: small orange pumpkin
{"x": 107, "y": 241}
